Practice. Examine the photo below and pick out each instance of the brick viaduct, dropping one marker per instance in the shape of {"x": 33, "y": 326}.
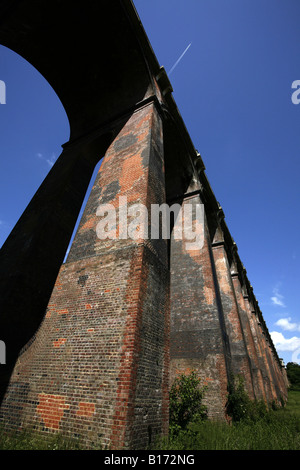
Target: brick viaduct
{"x": 93, "y": 343}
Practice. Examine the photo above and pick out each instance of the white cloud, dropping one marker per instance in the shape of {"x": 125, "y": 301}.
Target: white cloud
{"x": 281, "y": 343}
{"x": 277, "y": 301}
{"x": 285, "y": 344}
{"x": 295, "y": 355}
{"x": 50, "y": 160}
{"x": 277, "y": 298}
{"x": 287, "y": 325}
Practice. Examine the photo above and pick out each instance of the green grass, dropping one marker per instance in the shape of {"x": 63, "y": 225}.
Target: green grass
{"x": 277, "y": 430}
{"x": 27, "y": 440}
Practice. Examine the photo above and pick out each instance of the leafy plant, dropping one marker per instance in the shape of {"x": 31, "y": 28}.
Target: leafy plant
{"x": 238, "y": 402}
{"x": 239, "y": 406}
{"x": 186, "y": 397}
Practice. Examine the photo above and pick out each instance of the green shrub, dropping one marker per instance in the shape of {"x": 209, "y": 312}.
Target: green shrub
{"x": 186, "y": 406}
{"x": 238, "y": 402}
{"x": 239, "y": 406}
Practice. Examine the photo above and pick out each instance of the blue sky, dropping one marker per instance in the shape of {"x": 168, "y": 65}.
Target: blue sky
{"x": 233, "y": 89}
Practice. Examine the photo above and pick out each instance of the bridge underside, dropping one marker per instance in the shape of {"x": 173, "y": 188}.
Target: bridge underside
{"x": 94, "y": 343}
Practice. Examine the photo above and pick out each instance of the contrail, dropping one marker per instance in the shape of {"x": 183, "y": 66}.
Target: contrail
{"x": 177, "y": 62}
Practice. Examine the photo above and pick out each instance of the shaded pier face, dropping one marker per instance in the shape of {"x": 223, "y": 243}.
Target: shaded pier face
{"x": 93, "y": 344}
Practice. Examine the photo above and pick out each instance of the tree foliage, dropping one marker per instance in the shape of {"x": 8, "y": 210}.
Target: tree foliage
{"x": 293, "y": 374}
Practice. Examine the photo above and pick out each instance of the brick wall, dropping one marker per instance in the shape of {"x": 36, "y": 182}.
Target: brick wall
{"x": 197, "y": 337}
{"x": 240, "y": 362}
{"x": 98, "y": 366}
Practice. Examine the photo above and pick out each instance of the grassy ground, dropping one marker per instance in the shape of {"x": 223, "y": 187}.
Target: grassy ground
{"x": 278, "y": 430}
{"x": 29, "y": 441}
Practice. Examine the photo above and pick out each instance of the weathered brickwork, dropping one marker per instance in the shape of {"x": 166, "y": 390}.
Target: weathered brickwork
{"x": 240, "y": 362}
{"x": 94, "y": 344}
{"x": 217, "y": 292}
{"x": 196, "y": 331}
{"x": 98, "y": 367}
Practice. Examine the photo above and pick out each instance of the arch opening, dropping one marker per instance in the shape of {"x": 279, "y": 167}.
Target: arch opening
{"x": 33, "y": 126}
